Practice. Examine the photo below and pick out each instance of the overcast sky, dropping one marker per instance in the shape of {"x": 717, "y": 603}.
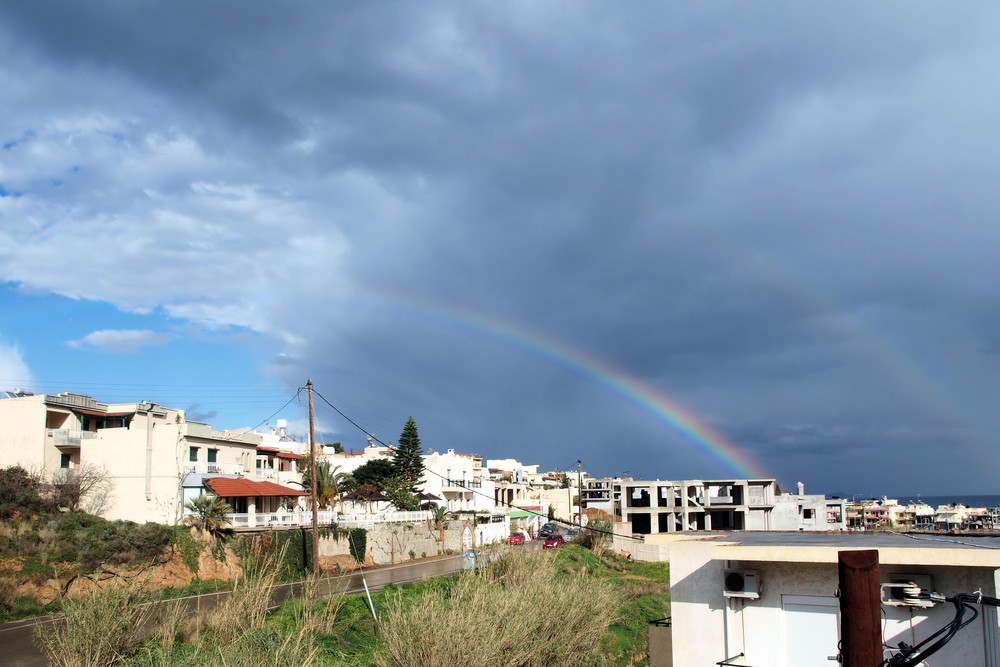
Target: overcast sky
{"x": 547, "y": 230}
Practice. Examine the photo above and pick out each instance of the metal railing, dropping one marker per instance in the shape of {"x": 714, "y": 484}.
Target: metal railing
{"x": 214, "y": 468}
{"x": 325, "y": 518}
{"x": 66, "y": 438}
{"x": 464, "y": 483}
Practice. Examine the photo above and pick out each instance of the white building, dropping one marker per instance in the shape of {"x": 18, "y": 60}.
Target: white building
{"x": 459, "y": 480}
{"x": 155, "y": 458}
{"x": 788, "y": 613}
{"x": 799, "y": 511}
{"x": 655, "y": 506}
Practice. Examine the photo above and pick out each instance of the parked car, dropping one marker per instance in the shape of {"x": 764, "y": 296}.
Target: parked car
{"x": 516, "y": 538}
{"x": 572, "y": 534}
{"x": 553, "y": 541}
{"x": 548, "y": 529}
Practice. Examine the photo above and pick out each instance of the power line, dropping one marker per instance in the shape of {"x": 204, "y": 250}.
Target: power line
{"x": 276, "y": 412}
{"x": 479, "y": 493}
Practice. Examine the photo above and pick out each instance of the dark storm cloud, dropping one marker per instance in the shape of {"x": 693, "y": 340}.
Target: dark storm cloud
{"x": 779, "y": 216}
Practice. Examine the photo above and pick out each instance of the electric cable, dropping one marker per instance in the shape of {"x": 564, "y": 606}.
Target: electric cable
{"x": 503, "y": 503}
{"x": 267, "y": 419}
{"x": 909, "y": 656}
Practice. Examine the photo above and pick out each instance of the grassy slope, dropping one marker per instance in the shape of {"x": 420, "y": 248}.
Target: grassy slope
{"x": 644, "y": 587}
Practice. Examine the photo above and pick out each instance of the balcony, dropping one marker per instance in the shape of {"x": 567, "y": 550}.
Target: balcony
{"x": 463, "y": 484}
{"x": 214, "y": 468}
{"x": 68, "y": 439}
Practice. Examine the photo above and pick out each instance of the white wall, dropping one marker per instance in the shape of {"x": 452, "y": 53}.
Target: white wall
{"x": 708, "y": 627}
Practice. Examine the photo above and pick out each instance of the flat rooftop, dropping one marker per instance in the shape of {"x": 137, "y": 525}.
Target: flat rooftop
{"x": 893, "y": 548}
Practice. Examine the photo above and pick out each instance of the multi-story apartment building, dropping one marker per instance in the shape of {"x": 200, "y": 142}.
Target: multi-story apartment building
{"x": 458, "y": 480}
{"x": 665, "y": 507}
{"x": 154, "y": 458}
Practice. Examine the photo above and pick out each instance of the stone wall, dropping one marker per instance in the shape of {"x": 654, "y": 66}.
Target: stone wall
{"x": 389, "y": 543}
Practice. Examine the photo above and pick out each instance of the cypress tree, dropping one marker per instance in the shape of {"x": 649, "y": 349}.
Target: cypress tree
{"x": 408, "y": 459}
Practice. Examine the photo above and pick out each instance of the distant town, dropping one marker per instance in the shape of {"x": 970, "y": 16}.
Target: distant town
{"x": 154, "y": 460}
{"x": 753, "y": 569}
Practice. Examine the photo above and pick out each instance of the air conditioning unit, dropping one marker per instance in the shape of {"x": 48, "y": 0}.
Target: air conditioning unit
{"x": 741, "y": 584}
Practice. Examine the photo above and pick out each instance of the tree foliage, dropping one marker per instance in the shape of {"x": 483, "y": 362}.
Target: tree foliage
{"x": 376, "y": 472}
{"x": 208, "y": 513}
{"x": 86, "y": 487}
{"x": 21, "y": 492}
{"x": 598, "y": 533}
{"x": 330, "y": 483}
{"x": 408, "y": 459}
{"x": 400, "y": 495}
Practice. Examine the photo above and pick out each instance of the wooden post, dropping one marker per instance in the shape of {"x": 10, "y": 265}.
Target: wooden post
{"x": 860, "y": 608}
{"x": 315, "y": 503}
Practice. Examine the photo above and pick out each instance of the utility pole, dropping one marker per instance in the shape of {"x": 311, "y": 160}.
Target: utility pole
{"x": 579, "y": 497}
{"x": 860, "y": 608}
{"x": 312, "y": 467}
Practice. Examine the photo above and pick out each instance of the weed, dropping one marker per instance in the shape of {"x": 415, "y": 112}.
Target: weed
{"x": 100, "y": 629}
{"x": 537, "y": 617}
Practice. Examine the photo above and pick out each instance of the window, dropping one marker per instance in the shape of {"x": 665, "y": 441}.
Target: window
{"x": 212, "y": 453}
{"x": 193, "y": 454}
{"x": 807, "y": 513}
{"x": 64, "y": 461}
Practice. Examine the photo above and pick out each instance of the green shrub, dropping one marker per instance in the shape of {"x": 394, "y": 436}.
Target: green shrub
{"x": 20, "y": 493}
{"x": 358, "y": 544}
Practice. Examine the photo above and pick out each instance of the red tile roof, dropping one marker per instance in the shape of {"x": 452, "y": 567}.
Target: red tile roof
{"x": 288, "y": 455}
{"x": 226, "y": 487}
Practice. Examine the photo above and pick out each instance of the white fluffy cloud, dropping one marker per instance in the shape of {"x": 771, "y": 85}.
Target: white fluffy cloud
{"x": 14, "y": 372}
{"x": 126, "y": 341}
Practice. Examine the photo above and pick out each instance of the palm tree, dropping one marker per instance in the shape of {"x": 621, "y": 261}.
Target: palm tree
{"x": 330, "y": 484}
{"x": 339, "y": 484}
{"x": 208, "y": 513}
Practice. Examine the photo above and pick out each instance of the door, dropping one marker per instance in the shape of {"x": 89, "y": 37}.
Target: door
{"x": 811, "y": 630}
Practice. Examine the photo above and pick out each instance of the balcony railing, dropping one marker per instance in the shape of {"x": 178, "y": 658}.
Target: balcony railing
{"x": 464, "y": 483}
{"x": 66, "y": 438}
{"x": 214, "y": 468}
{"x": 326, "y": 518}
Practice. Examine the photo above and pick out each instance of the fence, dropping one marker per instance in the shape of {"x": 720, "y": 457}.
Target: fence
{"x": 326, "y": 518}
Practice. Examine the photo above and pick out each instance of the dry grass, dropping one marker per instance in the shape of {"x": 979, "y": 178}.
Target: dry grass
{"x": 314, "y": 613}
{"x": 101, "y": 629}
{"x": 636, "y": 591}
{"x": 520, "y": 611}
{"x": 245, "y": 609}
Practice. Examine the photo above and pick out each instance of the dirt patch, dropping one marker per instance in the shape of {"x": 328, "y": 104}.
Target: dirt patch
{"x": 168, "y": 573}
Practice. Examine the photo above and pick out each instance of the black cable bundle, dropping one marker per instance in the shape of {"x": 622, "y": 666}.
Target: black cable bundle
{"x": 909, "y": 656}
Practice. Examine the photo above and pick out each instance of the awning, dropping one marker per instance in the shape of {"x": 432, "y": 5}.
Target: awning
{"x": 98, "y": 413}
{"x": 289, "y": 456}
{"x": 233, "y": 488}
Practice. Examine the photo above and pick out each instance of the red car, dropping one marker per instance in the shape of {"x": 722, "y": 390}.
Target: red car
{"x": 553, "y": 541}
{"x": 516, "y": 538}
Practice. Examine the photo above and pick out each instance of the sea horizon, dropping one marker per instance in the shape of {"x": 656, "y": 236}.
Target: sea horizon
{"x": 969, "y": 500}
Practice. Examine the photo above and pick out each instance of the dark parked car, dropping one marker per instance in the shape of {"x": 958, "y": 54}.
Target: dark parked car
{"x": 553, "y": 541}
{"x": 548, "y": 529}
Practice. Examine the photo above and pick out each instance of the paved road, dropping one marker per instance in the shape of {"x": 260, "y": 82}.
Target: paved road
{"x": 18, "y": 649}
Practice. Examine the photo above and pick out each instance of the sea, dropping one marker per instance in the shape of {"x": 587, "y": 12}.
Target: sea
{"x": 935, "y": 501}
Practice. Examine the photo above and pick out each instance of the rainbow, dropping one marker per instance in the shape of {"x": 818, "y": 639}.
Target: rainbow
{"x": 654, "y": 403}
